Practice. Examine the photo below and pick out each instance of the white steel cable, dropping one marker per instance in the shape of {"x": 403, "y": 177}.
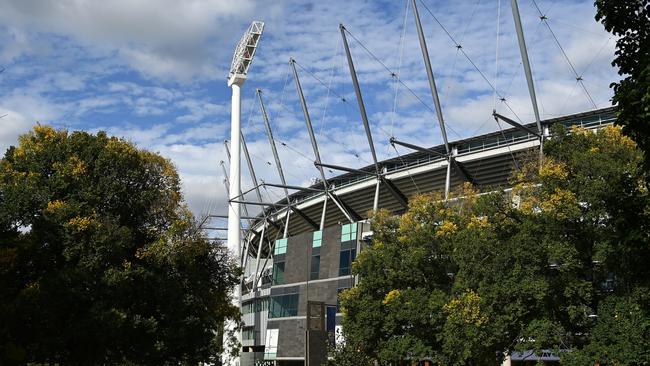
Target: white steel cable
{"x": 544, "y": 20}
{"x": 399, "y": 68}
{"x": 452, "y": 73}
{"x": 496, "y": 57}
{"x": 469, "y": 59}
{"x": 329, "y": 87}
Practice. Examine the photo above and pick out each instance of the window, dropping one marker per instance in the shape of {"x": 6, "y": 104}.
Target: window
{"x": 317, "y": 239}
{"x": 262, "y": 305}
{"x": 280, "y": 246}
{"x": 349, "y": 232}
{"x": 331, "y": 318}
{"x": 283, "y": 306}
{"x": 248, "y": 333}
{"x": 345, "y": 261}
{"x": 255, "y": 306}
{"x": 271, "y": 344}
{"x": 247, "y": 307}
{"x": 278, "y": 273}
{"x": 315, "y": 267}
{"x": 267, "y": 277}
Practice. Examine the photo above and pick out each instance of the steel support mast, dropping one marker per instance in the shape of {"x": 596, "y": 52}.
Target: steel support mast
{"x": 314, "y": 146}
{"x": 362, "y": 110}
{"x": 251, "y": 170}
{"x": 434, "y": 93}
{"x": 529, "y": 74}
{"x": 278, "y": 164}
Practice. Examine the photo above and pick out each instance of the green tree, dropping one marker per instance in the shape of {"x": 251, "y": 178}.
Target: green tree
{"x": 394, "y": 313}
{"x": 533, "y": 268}
{"x": 629, "y": 20}
{"x": 345, "y": 353}
{"x": 100, "y": 261}
{"x": 604, "y": 172}
{"x": 621, "y": 335}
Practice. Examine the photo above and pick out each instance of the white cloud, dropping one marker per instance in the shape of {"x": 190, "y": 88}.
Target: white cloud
{"x": 165, "y": 39}
{"x": 96, "y": 46}
{"x": 12, "y": 125}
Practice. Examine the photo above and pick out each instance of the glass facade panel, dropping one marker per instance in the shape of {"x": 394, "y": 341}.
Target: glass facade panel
{"x": 283, "y": 306}
{"x": 345, "y": 261}
{"x": 248, "y": 333}
{"x": 271, "y": 344}
{"x": 247, "y": 307}
{"x": 278, "y": 273}
{"x": 317, "y": 239}
{"x": 349, "y": 232}
{"x": 255, "y": 306}
{"x": 280, "y": 246}
{"x": 315, "y": 267}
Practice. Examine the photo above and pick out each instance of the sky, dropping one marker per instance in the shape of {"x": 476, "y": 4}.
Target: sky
{"x": 154, "y": 72}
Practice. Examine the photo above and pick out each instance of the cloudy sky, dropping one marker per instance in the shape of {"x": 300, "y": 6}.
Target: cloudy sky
{"x": 154, "y": 72}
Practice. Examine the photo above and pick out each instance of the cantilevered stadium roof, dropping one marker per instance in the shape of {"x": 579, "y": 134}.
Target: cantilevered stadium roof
{"x": 486, "y": 161}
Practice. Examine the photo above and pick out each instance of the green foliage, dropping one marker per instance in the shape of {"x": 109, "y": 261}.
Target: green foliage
{"x": 621, "y": 335}
{"x": 457, "y": 281}
{"x": 346, "y": 354}
{"x": 100, "y": 261}
{"x": 389, "y": 312}
{"x": 629, "y": 20}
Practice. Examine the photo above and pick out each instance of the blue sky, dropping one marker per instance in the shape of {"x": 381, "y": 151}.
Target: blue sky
{"x": 154, "y": 72}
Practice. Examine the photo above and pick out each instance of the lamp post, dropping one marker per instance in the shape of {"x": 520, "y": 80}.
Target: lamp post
{"x": 241, "y": 61}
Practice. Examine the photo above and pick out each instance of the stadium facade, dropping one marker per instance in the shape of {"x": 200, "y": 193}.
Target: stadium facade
{"x": 295, "y": 267}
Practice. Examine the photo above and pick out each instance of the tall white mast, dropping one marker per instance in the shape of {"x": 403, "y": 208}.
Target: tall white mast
{"x": 241, "y": 61}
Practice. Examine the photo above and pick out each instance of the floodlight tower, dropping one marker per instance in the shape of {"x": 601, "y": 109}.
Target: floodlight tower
{"x": 241, "y": 61}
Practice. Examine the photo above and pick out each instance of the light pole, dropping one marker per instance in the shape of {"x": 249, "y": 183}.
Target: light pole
{"x": 241, "y": 61}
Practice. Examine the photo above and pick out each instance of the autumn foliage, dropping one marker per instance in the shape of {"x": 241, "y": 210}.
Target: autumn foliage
{"x": 100, "y": 260}
{"x": 551, "y": 263}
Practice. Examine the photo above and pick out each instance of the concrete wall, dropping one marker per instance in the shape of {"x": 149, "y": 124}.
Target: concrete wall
{"x": 297, "y": 259}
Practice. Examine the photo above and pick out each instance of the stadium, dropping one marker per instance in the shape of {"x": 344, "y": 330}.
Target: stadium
{"x": 311, "y": 264}
{"x": 297, "y": 253}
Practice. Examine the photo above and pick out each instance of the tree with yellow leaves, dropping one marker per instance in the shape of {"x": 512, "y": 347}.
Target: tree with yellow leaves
{"x": 550, "y": 264}
{"x": 100, "y": 260}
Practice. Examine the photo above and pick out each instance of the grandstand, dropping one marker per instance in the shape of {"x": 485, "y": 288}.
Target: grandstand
{"x": 297, "y": 252}
{"x": 312, "y": 264}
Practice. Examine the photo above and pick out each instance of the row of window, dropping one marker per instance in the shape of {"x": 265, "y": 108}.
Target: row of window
{"x": 272, "y": 335}
{"x": 348, "y": 232}
{"x": 255, "y": 306}
{"x": 287, "y": 305}
{"x": 347, "y": 255}
{"x": 283, "y": 306}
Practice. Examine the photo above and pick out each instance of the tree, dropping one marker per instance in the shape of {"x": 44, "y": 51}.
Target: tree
{"x": 606, "y": 176}
{"x": 629, "y": 20}
{"x": 100, "y": 261}
{"x": 345, "y": 353}
{"x": 538, "y": 267}
{"x": 392, "y": 314}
